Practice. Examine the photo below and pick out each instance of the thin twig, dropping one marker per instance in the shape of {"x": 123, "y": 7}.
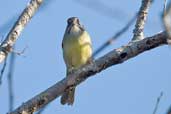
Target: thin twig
{"x": 115, "y": 37}
{"x": 10, "y": 81}
{"x": 3, "y": 70}
{"x": 157, "y": 103}
{"x": 114, "y": 57}
{"x": 13, "y": 35}
{"x": 141, "y": 19}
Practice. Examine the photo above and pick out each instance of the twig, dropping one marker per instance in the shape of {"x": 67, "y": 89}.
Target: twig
{"x": 20, "y": 52}
{"x": 157, "y": 103}
{"x": 13, "y": 35}
{"x": 142, "y": 16}
{"x": 116, "y": 36}
{"x": 5, "y": 63}
{"x": 114, "y": 57}
{"x": 10, "y": 81}
{"x": 3, "y": 70}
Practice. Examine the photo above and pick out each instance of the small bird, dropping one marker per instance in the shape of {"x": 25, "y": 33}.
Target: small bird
{"x": 77, "y": 51}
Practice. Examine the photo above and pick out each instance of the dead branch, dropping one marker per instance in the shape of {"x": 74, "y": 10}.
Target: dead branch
{"x": 114, "y": 57}
{"x": 13, "y": 35}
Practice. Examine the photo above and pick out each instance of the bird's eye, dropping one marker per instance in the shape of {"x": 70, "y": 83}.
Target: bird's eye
{"x": 78, "y": 21}
{"x": 69, "y": 21}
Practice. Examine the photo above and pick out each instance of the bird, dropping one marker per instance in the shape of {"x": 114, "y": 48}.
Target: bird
{"x": 77, "y": 51}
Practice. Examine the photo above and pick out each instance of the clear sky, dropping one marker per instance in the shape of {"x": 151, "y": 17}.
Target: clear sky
{"x": 128, "y": 88}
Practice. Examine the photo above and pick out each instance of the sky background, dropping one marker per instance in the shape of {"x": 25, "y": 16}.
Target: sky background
{"x": 128, "y": 88}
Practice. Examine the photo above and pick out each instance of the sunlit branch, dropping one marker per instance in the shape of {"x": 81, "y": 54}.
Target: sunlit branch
{"x": 13, "y": 35}
{"x": 114, "y": 57}
{"x": 141, "y": 19}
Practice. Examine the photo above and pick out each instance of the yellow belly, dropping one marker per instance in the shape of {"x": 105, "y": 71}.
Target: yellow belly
{"x": 77, "y": 51}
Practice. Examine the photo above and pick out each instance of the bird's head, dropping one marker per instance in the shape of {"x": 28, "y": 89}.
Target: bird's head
{"x": 74, "y": 25}
{"x": 73, "y": 20}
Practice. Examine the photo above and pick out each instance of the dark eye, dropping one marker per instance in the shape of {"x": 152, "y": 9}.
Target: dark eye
{"x": 78, "y": 21}
{"x": 69, "y": 21}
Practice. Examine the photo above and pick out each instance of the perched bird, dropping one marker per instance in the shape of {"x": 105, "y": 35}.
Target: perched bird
{"x": 77, "y": 51}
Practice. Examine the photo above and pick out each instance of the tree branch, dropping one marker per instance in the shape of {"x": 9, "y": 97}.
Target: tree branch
{"x": 167, "y": 22}
{"x": 114, "y": 57}
{"x": 142, "y": 16}
{"x": 13, "y": 35}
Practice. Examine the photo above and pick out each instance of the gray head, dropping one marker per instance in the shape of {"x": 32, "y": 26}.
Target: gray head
{"x": 74, "y": 22}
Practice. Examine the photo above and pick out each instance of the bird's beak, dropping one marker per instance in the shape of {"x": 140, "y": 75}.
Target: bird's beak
{"x": 70, "y": 26}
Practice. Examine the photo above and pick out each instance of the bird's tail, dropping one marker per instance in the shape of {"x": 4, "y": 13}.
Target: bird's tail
{"x": 68, "y": 96}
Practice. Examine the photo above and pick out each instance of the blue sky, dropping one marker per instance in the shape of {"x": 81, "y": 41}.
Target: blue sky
{"x": 128, "y": 88}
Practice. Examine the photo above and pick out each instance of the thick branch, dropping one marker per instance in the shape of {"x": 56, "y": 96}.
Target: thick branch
{"x": 112, "y": 58}
{"x": 142, "y": 16}
{"x": 27, "y": 14}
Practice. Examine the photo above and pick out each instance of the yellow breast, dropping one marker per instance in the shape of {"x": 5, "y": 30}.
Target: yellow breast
{"x": 77, "y": 49}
